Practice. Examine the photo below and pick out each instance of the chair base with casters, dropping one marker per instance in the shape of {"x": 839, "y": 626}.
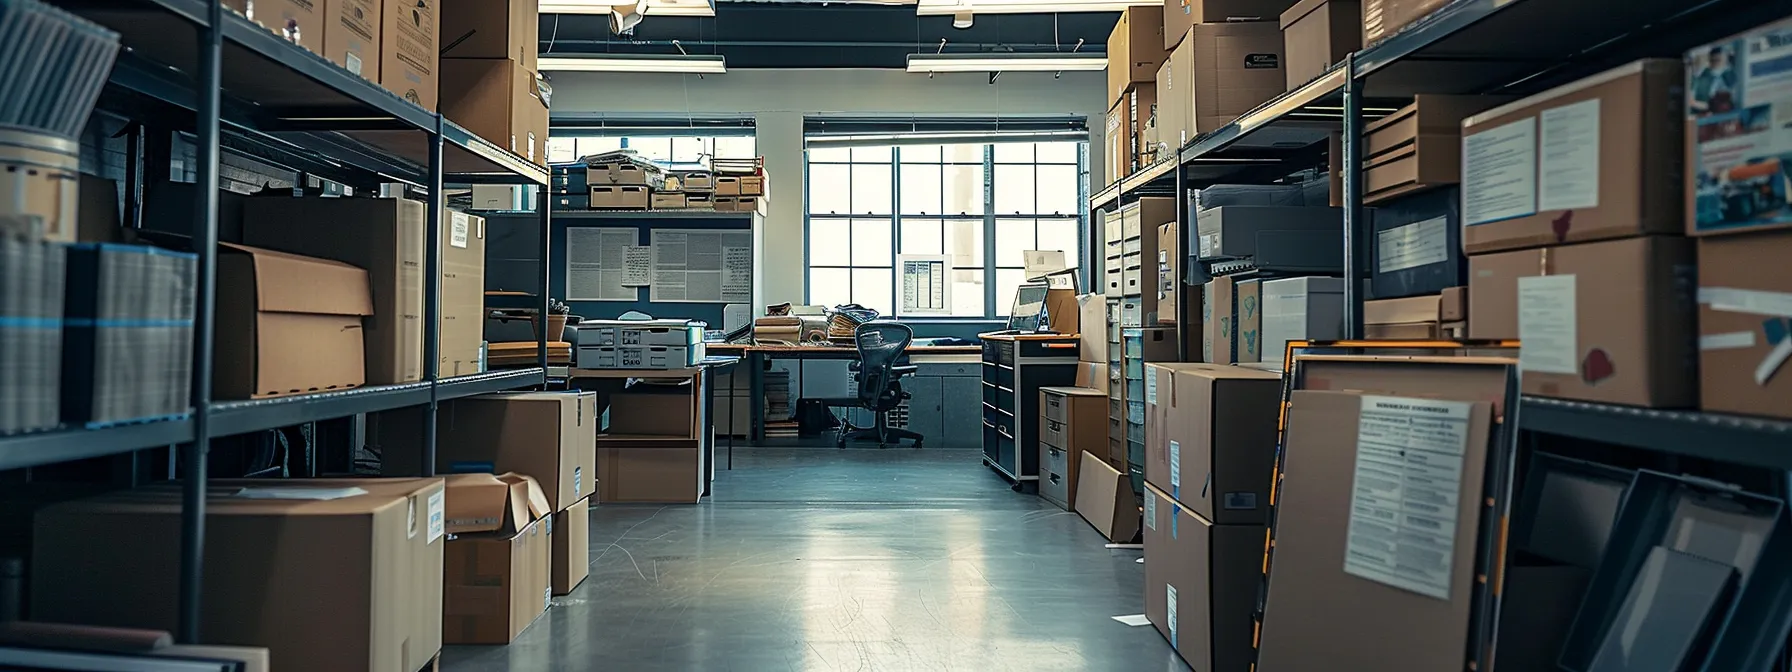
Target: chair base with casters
{"x": 880, "y": 345}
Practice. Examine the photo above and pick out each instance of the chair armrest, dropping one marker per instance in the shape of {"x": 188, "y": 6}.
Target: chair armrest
{"x": 905, "y": 370}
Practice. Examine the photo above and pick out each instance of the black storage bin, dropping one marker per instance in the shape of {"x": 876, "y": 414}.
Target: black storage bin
{"x": 1417, "y": 247}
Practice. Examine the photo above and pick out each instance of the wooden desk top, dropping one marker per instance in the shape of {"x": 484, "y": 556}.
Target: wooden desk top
{"x": 831, "y": 349}
{"x": 1029, "y": 337}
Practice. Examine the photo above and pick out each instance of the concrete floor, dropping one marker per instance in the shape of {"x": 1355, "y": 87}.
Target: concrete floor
{"x": 863, "y": 559}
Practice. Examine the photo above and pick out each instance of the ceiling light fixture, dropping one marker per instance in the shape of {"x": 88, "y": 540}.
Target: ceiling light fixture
{"x": 953, "y": 7}
{"x": 1005, "y": 62}
{"x": 653, "y": 8}
{"x": 699, "y": 64}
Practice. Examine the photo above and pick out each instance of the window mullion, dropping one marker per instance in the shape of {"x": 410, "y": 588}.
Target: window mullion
{"x": 989, "y": 231}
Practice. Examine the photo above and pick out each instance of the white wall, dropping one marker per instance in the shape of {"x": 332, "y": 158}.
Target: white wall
{"x": 778, "y": 100}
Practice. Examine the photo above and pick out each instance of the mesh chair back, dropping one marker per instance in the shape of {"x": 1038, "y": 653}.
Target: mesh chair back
{"x": 881, "y": 345}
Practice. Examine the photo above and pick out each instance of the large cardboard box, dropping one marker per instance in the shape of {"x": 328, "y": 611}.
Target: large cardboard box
{"x": 1596, "y": 159}
{"x": 571, "y": 536}
{"x": 1180, "y": 15}
{"x": 1201, "y": 583}
{"x": 499, "y": 100}
{"x": 408, "y": 50}
{"x": 1247, "y": 324}
{"x": 463, "y": 294}
{"x": 300, "y": 22}
{"x": 1232, "y": 68}
{"x": 1104, "y": 497}
{"x": 548, "y": 436}
{"x": 1382, "y": 18}
{"x": 352, "y": 35}
{"x": 1417, "y": 148}
{"x": 367, "y": 552}
{"x": 1210, "y": 438}
{"x": 384, "y": 236}
{"x": 1135, "y": 49}
{"x": 1736, "y": 151}
{"x": 1168, "y": 263}
{"x": 1745, "y": 324}
{"x": 649, "y": 470}
{"x": 1318, "y": 33}
{"x": 1409, "y": 318}
{"x": 1610, "y": 321}
{"x": 496, "y": 566}
{"x": 1092, "y": 328}
{"x": 287, "y": 324}
{"x": 1172, "y": 113}
{"x": 1219, "y": 310}
{"x": 502, "y": 29}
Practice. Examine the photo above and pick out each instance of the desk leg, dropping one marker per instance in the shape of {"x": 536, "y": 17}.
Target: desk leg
{"x": 709, "y": 428}
{"x": 733, "y": 376}
{"x": 756, "y": 404}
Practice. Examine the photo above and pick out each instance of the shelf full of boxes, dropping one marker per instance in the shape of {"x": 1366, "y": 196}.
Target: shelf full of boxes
{"x": 1505, "y": 178}
{"x": 229, "y": 315}
{"x": 619, "y": 183}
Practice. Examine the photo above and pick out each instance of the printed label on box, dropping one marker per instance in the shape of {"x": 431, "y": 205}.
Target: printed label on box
{"x": 1150, "y": 387}
{"x": 1170, "y": 615}
{"x": 1547, "y": 336}
{"x": 1499, "y": 173}
{"x": 1568, "y": 163}
{"x": 1150, "y": 511}
{"x": 438, "y": 517}
{"x": 578, "y": 477}
{"x": 1175, "y": 468}
{"x": 458, "y": 229}
{"x": 1403, "y": 511}
{"x": 1414, "y": 245}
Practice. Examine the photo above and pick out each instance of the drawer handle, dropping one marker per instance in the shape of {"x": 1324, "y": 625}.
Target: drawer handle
{"x": 1056, "y": 479}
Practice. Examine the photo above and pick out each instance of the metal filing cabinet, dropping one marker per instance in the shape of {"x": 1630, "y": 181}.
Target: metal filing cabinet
{"x": 1140, "y": 347}
{"x": 1015, "y": 367}
{"x": 936, "y": 407}
{"x": 1071, "y": 420}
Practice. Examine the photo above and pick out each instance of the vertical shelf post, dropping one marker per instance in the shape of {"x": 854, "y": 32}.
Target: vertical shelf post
{"x": 205, "y": 241}
{"x": 542, "y": 201}
{"x": 432, "y": 296}
{"x": 1185, "y": 222}
{"x": 1356, "y": 222}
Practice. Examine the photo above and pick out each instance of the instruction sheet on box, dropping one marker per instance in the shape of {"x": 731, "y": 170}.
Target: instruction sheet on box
{"x": 1499, "y": 173}
{"x": 1549, "y": 341}
{"x": 1407, "y": 491}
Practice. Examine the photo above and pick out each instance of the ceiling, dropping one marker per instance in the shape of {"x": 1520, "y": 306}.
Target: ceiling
{"x": 825, "y": 34}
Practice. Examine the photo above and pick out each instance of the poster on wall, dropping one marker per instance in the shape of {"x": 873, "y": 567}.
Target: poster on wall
{"x": 926, "y": 284}
{"x": 701, "y": 266}
{"x": 597, "y": 263}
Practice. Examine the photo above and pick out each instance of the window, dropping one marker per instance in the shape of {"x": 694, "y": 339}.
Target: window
{"x": 667, "y": 149}
{"x": 982, "y": 204}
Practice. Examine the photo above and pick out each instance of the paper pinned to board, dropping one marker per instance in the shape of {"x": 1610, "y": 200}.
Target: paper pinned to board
{"x": 637, "y": 266}
{"x": 926, "y": 284}
{"x": 1134, "y": 620}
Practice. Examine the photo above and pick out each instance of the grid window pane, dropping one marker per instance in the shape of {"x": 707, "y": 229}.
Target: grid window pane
{"x": 689, "y": 150}
{"x": 967, "y": 292}
{"x": 1014, "y": 152}
{"x": 830, "y": 189}
{"x": 871, "y": 154}
{"x": 737, "y": 147}
{"x": 830, "y": 286}
{"x": 920, "y": 189}
{"x": 871, "y": 189}
{"x": 1056, "y": 190}
{"x": 1015, "y": 190}
{"x": 922, "y": 236}
{"x": 1057, "y": 152}
{"x": 658, "y": 149}
{"x": 962, "y": 154}
{"x": 874, "y": 288}
{"x": 871, "y": 242}
{"x": 1060, "y": 234}
{"x": 1013, "y": 236}
{"x": 963, "y": 190}
{"x": 964, "y": 241}
{"x": 1008, "y": 281}
{"x": 919, "y": 153}
{"x": 829, "y": 155}
{"x": 830, "y": 241}
{"x": 589, "y": 146}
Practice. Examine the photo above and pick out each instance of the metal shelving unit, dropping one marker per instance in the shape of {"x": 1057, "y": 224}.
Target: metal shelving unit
{"x": 192, "y": 64}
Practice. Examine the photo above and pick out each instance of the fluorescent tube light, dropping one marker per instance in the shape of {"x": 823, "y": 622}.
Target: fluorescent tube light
{"x": 654, "y": 7}
{"x": 946, "y": 7}
{"x": 680, "y": 8}
{"x": 700, "y": 64}
{"x": 1005, "y": 62}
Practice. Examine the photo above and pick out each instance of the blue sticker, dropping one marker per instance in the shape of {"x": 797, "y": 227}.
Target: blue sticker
{"x": 1778, "y": 329}
{"x": 472, "y": 468}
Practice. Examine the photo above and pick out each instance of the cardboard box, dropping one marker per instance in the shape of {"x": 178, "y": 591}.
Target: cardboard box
{"x": 570, "y": 534}
{"x": 384, "y": 236}
{"x": 649, "y": 470}
{"x": 296, "y": 21}
{"x": 1597, "y": 159}
{"x": 1610, "y": 321}
{"x": 1232, "y": 68}
{"x": 1092, "y": 326}
{"x": 1211, "y": 438}
{"x": 1135, "y": 49}
{"x": 1300, "y": 309}
{"x": 1093, "y": 375}
{"x": 496, "y": 566}
{"x": 643, "y": 411}
{"x": 1180, "y": 15}
{"x": 1736, "y": 179}
{"x": 463, "y": 295}
{"x": 699, "y": 181}
{"x": 727, "y": 185}
{"x": 1169, "y": 274}
{"x": 1247, "y": 322}
{"x": 499, "y": 100}
{"x": 1201, "y": 583}
{"x": 1219, "y": 311}
{"x": 661, "y": 200}
{"x": 548, "y": 436}
{"x": 352, "y": 36}
{"x": 1744, "y": 340}
{"x": 624, "y": 198}
{"x": 1171, "y": 119}
{"x": 1410, "y": 318}
{"x": 736, "y": 203}
{"x": 501, "y": 29}
{"x": 1104, "y": 497}
{"x": 1318, "y": 33}
{"x": 408, "y": 51}
{"x": 752, "y": 185}
{"x": 1382, "y": 18}
{"x": 287, "y": 324}
{"x": 1452, "y": 305}
{"x": 371, "y": 548}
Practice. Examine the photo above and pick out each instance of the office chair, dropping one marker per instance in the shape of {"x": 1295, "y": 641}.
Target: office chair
{"x": 881, "y": 345}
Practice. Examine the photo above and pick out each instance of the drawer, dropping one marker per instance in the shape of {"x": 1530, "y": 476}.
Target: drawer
{"x": 1053, "y": 348}
{"x": 1135, "y": 453}
{"x": 1130, "y": 251}
{"x": 1131, "y": 315}
{"x": 1135, "y": 433}
{"x": 1116, "y": 429}
{"x": 1051, "y": 432}
{"x": 1116, "y": 249}
{"x": 1056, "y": 407}
{"x": 1111, "y": 228}
{"x": 1129, "y": 222}
{"x": 1132, "y": 280}
{"x": 1055, "y": 460}
{"x": 1112, "y": 282}
{"x": 1055, "y": 488}
{"x": 936, "y": 369}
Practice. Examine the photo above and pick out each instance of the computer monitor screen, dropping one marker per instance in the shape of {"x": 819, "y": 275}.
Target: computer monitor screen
{"x": 1029, "y": 305}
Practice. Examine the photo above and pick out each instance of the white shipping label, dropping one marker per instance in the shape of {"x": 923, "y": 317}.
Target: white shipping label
{"x": 1734, "y": 340}
{"x": 1175, "y": 466}
{"x": 1568, "y": 160}
{"x": 1547, "y": 338}
{"x": 1170, "y": 614}
{"x": 1210, "y": 243}
{"x": 1499, "y": 173}
{"x": 578, "y": 477}
{"x": 352, "y": 62}
{"x": 438, "y": 517}
{"x": 1407, "y": 493}
{"x": 1150, "y": 511}
{"x": 458, "y": 229}
{"x": 1751, "y": 301}
{"x": 1413, "y": 245}
{"x": 1150, "y": 387}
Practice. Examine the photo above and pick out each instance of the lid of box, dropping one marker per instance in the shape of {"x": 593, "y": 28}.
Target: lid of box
{"x": 1214, "y": 371}
{"x": 1645, "y": 67}
{"x": 248, "y": 498}
{"x": 504, "y": 503}
{"x": 290, "y": 283}
{"x": 1402, "y": 311}
{"x": 1073, "y": 391}
{"x": 1300, "y": 10}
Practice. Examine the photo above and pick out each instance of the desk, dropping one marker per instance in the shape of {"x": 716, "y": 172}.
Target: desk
{"x": 757, "y": 355}
{"x": 610, "y": 381}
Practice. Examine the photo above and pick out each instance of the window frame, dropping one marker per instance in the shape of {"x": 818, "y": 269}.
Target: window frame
{"x": 992, "y": 311}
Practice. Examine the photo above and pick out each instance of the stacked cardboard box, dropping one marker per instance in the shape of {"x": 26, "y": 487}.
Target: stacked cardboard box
{"x": 738, "y": 193}
{"x": 1135, "y": 50}
{"x": 1317, "y": 34}
{"x": 1225, "y": 58}
{"x": 496, "y": 566}
{"x": 386, "y": 41}
{"x": 1572, "y": 203}
{"x": 489, "y": 82}
{"x": 651, "y": 448}
{"x": 1210, "y": 455}
{"x": 127, "y": 350}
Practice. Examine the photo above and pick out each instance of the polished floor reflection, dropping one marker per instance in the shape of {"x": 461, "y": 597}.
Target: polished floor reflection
{"x": 864, "y": 559}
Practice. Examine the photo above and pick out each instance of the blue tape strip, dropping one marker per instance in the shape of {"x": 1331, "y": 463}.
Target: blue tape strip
{"x": 85, "y": 323}
{"x": 472, "y": 468}
{"x": 30, "y": 322}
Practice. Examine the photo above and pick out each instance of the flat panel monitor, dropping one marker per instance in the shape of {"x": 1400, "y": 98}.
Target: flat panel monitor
{"x": 1029, "y": 309}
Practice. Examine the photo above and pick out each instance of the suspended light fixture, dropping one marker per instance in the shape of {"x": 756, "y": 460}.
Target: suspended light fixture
{"x": 698, "y": 64}
{"x": 1057, "y": 62}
